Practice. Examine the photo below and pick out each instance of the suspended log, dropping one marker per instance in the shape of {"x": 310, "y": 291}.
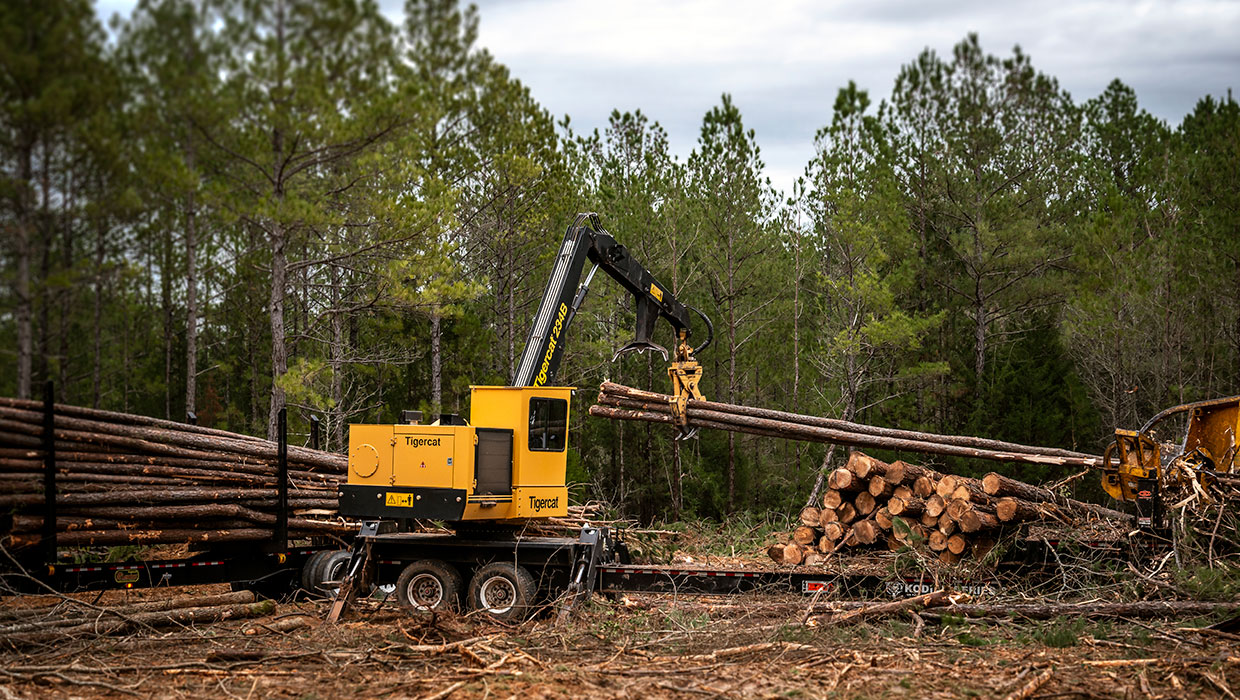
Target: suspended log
{"x": 652, "y": 400}
{"x": 998, "y": 485}
{"x": 626, "y": 403}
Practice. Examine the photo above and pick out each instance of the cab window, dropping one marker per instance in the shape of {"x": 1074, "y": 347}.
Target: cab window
{"x": 548, "y": 424}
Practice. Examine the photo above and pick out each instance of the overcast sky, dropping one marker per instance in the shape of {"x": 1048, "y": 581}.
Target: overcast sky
{"x": 784, "y": 60}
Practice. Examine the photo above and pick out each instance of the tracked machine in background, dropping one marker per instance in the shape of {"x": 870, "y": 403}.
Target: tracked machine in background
{"x": 507, "y": 464}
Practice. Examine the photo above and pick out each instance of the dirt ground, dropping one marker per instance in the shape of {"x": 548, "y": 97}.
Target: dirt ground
{"x": 647, "y": 646}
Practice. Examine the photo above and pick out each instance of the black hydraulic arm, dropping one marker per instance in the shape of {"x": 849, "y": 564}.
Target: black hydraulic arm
{"x": 585, "y": 240}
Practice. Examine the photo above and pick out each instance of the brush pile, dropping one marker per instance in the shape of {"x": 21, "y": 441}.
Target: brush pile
{"x": 126, "y": 479}
{"x": 874, "y": 504}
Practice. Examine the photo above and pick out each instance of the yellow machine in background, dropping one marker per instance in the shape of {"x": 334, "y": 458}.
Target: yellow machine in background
{"x": 1137, "y": 468}
{"x": 507, "y": 464}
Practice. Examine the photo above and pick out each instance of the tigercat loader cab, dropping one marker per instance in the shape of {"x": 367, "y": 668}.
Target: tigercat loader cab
{"x": 507, "y": 464}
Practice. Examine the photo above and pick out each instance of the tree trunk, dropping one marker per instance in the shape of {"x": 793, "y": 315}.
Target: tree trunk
{"x": 436, "y": 364}
{"x": 25, "y": 315}
{"x": 191, "y": 294}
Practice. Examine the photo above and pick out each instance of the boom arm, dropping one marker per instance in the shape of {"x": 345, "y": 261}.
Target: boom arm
{"x": 586, "y": 239}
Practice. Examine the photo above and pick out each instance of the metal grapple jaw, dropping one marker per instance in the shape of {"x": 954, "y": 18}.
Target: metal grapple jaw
{"x": 647, "y": 314}
{"x": 685, "y": 373}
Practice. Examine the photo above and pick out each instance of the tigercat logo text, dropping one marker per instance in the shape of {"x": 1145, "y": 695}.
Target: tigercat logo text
{"x": 541, "y": 379}
{"x": 421, "y": 441}
{"x": 399, "y": 500}
{"x": 538, "y": 504}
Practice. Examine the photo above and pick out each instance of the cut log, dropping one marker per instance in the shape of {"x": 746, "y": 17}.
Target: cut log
{"x": 929, "y": 521}
{"x": 864, "y": 503}
{"x": 923, "y": 487}
{"x": 626, "y": 403}
{"x": 832, "y": 499}
{"x": 1010, "y": 509}
{"x": 792, "y": 554}
{"x": 846, "y": 513}
{"x": 879, "y": 487}
{"x": 843, "y": 480}
{"x": 826, "y": 515}
{"x": 810, "y": 516}
{"x": 866, "y": 531}
{"x": 938, "y": 541}
{"x": 805, "y": 535}
{"x": 882, "y": 516}
{"x": 776, "y": 553}
{"x": 973, "y": 520}
{"x": 865, "y": 466}
{"x": 956, "y": 544}
{"x": 906, "y": 506}
{"x": 834, "y": 531}
{"x": 949, "y": 557}
{"x": 946, "y": 525}
{"x": 935, "y": 505}
{"x": 902, "y": 492}
{"x": 999, "y": 485}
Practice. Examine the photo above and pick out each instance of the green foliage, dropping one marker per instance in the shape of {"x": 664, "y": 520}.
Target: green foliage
{"x": 255, "y": 204}
{"x": 1060, "y": 633}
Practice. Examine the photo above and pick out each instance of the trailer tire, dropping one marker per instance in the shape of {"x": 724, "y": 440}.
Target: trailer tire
{"x": 329, "y": 569}
{"x": 428, "y": 584}
{"x": 308, "y": 570}
{"x": 503, "y": 590}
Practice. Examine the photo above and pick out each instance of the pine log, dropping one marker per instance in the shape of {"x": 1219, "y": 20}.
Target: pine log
{"x": 956, "y": 544}
{"x": 865, "y": 466}
{"x": 805, "y": 535}
{"x": 882, "y": 516}
{"x": 949, "y": 557}
{"x": 901, "y": 472}
{"x": 1168, "y": 609}
{"x": 810, "y": 516}
{"x": 923, "y": 487}
{"x": 879, "y": 487}
{"x": 634, "y": 404}
{"x": 834, "y": 531}
{"x": 864, "y": 503}
{"x": 999, "y": 485}
{"x": 937, "y": 541}
{"x": 946, "y": 525}
{"x": 906, "y": 506}
{"x": 185, "y": 616}
{"x": 973, "y": 520}
{"x": 792, "y": 554}
{"x": 77, "y": 618}
{"x": 846, "y": 513}
{"x": 902, "y": 492}
{"x": 826, "y": 515}
{"x": 843, "y": 480}
{"x": 935, "y": 505}
{"x": 1015, "y": 510}
{"x": 832, "y": 499}
{"x": 911, "y": 533}
{"x": 866, "y": 531}
{"x": 895, "y": 607}
{"x": 929, "y": 521}
{"x": 811, "y": 557}
{"x": 776, "y": 553}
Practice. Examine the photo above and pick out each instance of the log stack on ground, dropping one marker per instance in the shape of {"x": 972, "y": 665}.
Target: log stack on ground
{"x": 126, "y": 479}
{"x": 961, "y": 518}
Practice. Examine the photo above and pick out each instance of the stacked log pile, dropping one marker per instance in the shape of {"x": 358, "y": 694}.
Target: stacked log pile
{"x": 126, "y": 479}
{"x": 874, "y": 504}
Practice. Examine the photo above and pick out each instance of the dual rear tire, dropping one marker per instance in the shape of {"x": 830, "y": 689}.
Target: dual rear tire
{"x": 501, "y": 589}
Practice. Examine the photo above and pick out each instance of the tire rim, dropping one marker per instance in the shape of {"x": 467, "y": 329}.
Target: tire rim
{"x": 425, "y": 591}
{"x": 331, "y": 578}
{"x": 497, "y": 595}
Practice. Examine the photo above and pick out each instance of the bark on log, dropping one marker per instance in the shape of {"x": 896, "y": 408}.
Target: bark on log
{"x": 865, "y": 466}
{"x": 973, "y": 520}
{"x": 844, "y": 480}
{"x": 907, "y": 507}
{"x": 185, "y": 616}
{"x": 634, "y": 404}
{"x": 1010, "y": 509}
{"x": 1003, "y": 486}
{"x": 654, "y": 400}
{"x": 895, "y": 607}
